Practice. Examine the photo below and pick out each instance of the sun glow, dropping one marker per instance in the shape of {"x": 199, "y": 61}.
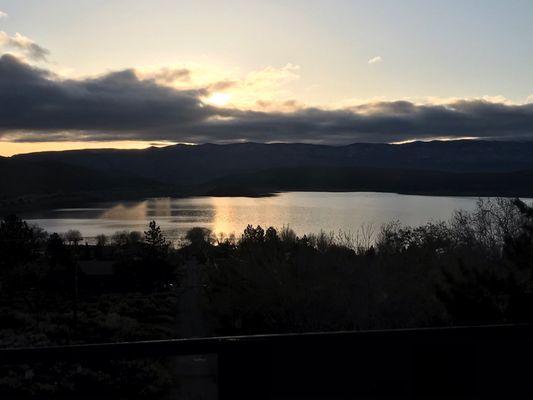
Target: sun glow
{"x": 219, "y": 99}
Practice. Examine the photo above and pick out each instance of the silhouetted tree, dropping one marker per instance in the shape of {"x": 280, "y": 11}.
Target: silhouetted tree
{"x": 73, "y": 237}
{"x": 271, "y": 235}
{"x": 493, "y": 281}
{"x": 519, "y": 249}
{"x": 200, "y": 240}
{"x": 156, "y": 242}
{"x": 143, "y": 264}
{"x": 101, "y": 240}
{"x": 58, "y": 254}
{"x": 20, "y": 275}
{"x": 252, "y": 236}
{"x": 156, "y": 268}
{"x": 124, "y": 239}
{"x": 199, "y": 237}
{"x": 18, "y": 244}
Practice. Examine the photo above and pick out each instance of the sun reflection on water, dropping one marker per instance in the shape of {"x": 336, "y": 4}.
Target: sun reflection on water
{"x": 304, "y": 212}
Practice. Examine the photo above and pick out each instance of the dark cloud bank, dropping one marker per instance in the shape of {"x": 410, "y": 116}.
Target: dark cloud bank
{"x": 41, "y": 107}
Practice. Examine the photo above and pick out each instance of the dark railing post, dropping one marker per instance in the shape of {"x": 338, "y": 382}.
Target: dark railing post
{"x": 244, "y": 370}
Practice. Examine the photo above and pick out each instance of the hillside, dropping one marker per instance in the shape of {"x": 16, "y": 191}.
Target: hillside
{"x": 475, "y": 168}
{"x": 511, "y": 184}
{"x": 37, "y": 183}
{"x": 182, "y": 164}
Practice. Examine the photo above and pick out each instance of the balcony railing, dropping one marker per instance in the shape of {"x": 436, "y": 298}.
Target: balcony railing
{"x": 466, "y": 362}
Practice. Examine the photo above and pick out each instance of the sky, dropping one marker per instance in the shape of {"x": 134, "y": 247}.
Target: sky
{"x": 131, "y": 74}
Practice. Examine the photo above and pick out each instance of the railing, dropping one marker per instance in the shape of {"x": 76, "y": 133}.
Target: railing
{"x": 467, "y": 362}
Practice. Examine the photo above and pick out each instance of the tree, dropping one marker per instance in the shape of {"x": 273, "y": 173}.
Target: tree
{"x": 519, "y": 248}
{"x": 199, "y": 237}
{"x": 18, "y": 244}
{"x": 123, "y": 239}
{"x": 21, "y": 274}
{"x": 144, "y": 264}
{"x": 73, "y": 237}
{"x": 156, "y": 241}
{"x": 493, "y": 281}
{"x": 101, "y": 240}
{"x": 253, "y": 235}
{"x": 271, "y": 235}
{"x": 56, "y": 251}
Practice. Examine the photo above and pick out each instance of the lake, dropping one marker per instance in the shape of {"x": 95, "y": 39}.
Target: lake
{"x": 305, "y": 212}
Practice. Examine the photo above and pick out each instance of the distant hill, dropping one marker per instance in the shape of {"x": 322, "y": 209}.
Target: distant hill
{"x": 453, "y": 168}
{"x": 182, "y": 164}
{"x": 511, "y": 184}
{"x": 25, "y": 178}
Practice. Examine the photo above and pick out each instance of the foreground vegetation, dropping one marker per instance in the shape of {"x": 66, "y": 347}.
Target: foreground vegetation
{"x": 474, "y": 269}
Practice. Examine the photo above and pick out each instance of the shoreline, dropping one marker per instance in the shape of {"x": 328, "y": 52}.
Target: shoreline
{"x": 25, "y": 204}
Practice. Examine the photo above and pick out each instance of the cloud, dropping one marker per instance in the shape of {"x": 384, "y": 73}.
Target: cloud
{"x": 33, "y": 99}
{"x": 3, "y": 14}
{"x": 36, "y": 105}
{"x": 170, "y": 75}
{"x": 271, "y": 76}
{"x": 24, "y": 44}
{"x": 375, "y": 60}
{"x": 268, "y": 85}
{"x": 222, "y": 85}
{"x": 279, "y": 105}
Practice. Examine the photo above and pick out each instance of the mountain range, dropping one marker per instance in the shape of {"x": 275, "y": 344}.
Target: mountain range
{"x": 437, "y": 167}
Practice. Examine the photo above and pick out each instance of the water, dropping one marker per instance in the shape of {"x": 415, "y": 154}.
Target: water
{"x": 305, "y": 212}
